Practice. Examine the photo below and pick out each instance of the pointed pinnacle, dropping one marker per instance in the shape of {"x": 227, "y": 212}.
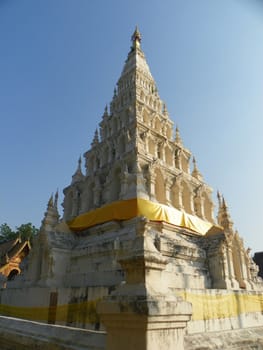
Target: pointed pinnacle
{"x": 196, "y": 173}
{"x": 177, "y": 136}
{"x": 136, "y": 38}
{"x": 50, "y": 202}
{"x": 224, "y": 203}
{"x": 106, "y": 110}
{"x": 79, "y": 162}
{"x": 56, "y": 200}
{"x": 96, "y": 137}
{"x": 219, "y": 198}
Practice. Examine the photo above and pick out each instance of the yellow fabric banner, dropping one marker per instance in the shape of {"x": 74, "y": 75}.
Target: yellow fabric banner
{"x": 128, "y": 209}
{"x": 208, "y": 306}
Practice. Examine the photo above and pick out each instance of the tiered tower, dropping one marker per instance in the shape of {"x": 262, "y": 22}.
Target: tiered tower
{"x": 135, "y": 154}
{"x": 138, "y": 229}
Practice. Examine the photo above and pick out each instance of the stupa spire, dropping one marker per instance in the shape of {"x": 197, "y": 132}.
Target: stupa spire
{"x": 135, "y": 155}
{"x": 78, "y": 176}
{"x": 136, "y": 38}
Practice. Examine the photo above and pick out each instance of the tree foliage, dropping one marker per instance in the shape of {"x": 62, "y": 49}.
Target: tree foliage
{"x": 24, "y": 231}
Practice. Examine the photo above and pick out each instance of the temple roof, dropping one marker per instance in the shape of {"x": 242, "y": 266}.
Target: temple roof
{"x": 12, "y": 248}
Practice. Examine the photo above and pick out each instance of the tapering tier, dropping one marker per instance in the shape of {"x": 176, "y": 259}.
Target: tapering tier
{"x": 135, "y": 154}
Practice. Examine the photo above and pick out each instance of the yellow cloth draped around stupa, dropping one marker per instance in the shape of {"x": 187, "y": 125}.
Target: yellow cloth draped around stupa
{"x": 128, "y": 209}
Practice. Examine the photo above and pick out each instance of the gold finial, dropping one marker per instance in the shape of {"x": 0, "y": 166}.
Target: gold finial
{"x": 136, "y": 38}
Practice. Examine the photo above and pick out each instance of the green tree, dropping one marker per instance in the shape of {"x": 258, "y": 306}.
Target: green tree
{"x": 25, "y": 231}
{"x": 6, "y": 233}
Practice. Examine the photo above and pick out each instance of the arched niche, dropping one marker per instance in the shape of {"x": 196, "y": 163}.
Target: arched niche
{"x": 105, "y": 155}
{"x": 186, "y": 198}
{"x": 12, "y": 274}
{"x": 145, "y": 116}
{"x": 78, "y": 201}
{"x": 177, "y": 158}
{"x": 115, "y": 185}
{"x": 159, "y": 187}
{"x": 68, "y": 205}
{"x": 158, "y": 124}
{"x": 168, "y": 156}
{"x": 90, "y": 196}
{"x": 208, "y": 207}
{"x": 127, "y": 118}
{"x": 151, "y": 146}
{"x": 169, "y": 132}
{"x": 142, "y": 96}
{"x": 91, "y": 164}
{"x": 184, "y": 162}
{"x": 159, "y": 151}
{"x": 198, "y": 205}
{"x": 175, "y": 195}
{"x": 114, "y": 126}
{"x": 121, "y": 145}
{"x": 237, "y": 262}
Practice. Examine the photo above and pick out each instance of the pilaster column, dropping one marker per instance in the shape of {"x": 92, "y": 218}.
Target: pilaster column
{"x": 199, "y": 205}
{"x": 244, "y": 269}
{"x": 142, "y": 314}
{"x": 191, "y": 199}
{"x": 75, "y": 204}
{"x": 234, "y": 282}
{"x": 224, "y": 257}
{"x": 168, "y": 185}
{"x": 124, "y": 183}
{"x": 180, "y": 197}
{"x": 152, "y": 178}
{"x": 177, "y": 159}
{"x": 97, "y": 191}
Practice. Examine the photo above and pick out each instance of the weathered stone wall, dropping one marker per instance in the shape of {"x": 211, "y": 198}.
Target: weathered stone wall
{"x": 22, "y": 335}
{"x": 241, "y": 339}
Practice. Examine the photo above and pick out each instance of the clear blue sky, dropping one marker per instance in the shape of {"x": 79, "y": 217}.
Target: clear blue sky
{"x": 60, "y": 60}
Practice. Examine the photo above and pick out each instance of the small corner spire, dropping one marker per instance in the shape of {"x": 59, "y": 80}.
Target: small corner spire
{"x": 196, "y": 173}
{"x": 78, "y": 176}
{"x": 50, "y": 203}
{"x": 178, "y": 136}
{"x": 224, "y": 204}
{"x": 51, "y": 215}
{"x": 79, "y": 163}
{"x": 106, "y": 111}
{"x": 219, "y": 198}
{"x": 95, "y": 138}
{"x": 56, "y": 200}
{"x": 224, "y": 218}
{"x": 136, "y": 38}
